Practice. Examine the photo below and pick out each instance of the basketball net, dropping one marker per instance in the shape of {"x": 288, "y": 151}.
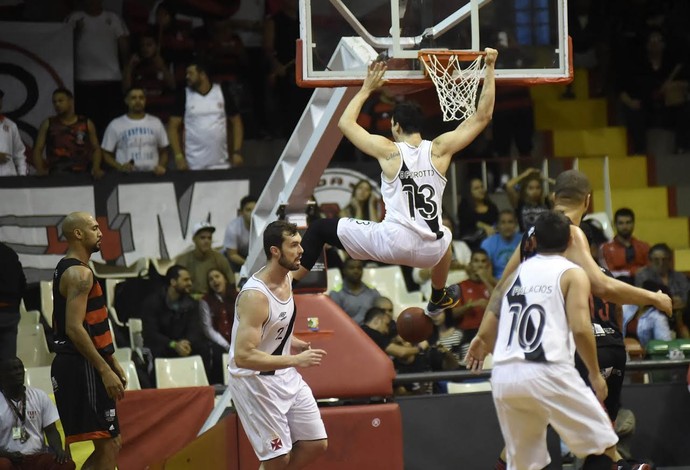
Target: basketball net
{"x": 456, "y": 86}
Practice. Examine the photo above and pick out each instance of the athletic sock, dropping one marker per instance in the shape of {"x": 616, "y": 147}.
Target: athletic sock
{"x": 437, "y": 294}
{"x": 500, "y": 464}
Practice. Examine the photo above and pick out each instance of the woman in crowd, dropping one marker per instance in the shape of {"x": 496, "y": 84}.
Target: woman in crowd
{"x": 363, "y": 204}
{"x": 526, "y": 194}
{"x": 217, "y": 313}
{"x": 477, "y": 214}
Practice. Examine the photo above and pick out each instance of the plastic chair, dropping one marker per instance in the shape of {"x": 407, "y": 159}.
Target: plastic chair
{"x": 658, "y": 349}
{"x": 32, "y": 347}
{"x": 390, "y": 282}
{"x": 139, "y": 268}
{"x": 46, "y": 288}
{"x": 39, "y": 377}
{"x": 226, "y": 375}
{"x": 469, "y": 387}
{"x": 335, "y": 279}
{"x": 180, "y": 372}
{"x": 162, "y": 265}
{"x": 604, "y": 221}
{"x": 123, "y": 355}
{"x": 131, "y": 373}
{"x": 29, "y": 317}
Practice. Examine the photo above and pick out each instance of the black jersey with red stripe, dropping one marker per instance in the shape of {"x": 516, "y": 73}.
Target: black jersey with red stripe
{"x": 606, "y": 329}
{"x": 95, "y": 319}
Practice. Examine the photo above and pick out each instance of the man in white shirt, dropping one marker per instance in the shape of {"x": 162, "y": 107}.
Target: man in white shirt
{"x": 138, "y": 139}
{"x": 101, "y": 49}
{"x": 212, "y": 124}
{"x": 12, "y": 159}
{"x": 27, "y": 413}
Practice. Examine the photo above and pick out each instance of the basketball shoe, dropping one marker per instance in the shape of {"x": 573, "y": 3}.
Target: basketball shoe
{"x": 449, "y": 299}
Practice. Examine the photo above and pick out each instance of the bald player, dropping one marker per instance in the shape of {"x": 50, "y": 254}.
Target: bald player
{"x": 87, "y": 379}
{"x": 572, "y": 196}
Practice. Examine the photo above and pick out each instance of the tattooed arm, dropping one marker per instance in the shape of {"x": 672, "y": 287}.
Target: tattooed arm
{"x": 75, "y": 285}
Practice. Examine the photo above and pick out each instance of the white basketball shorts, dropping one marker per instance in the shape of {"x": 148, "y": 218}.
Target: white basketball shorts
{"x": 276, "y": 411}
{"x": 391, "y": 243}
{"x": 528, "y": 397}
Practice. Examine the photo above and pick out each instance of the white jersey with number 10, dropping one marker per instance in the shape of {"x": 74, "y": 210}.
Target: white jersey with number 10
{"x": 414, "y": 198}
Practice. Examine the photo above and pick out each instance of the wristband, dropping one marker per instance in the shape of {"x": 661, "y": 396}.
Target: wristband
{"x": 172, "y": 344}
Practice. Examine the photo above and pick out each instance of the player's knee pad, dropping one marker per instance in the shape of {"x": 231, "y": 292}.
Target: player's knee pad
{"x": 597, "y": 462}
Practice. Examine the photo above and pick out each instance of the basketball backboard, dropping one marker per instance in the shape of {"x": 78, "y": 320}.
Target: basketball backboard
{"x": 338, "y": 36}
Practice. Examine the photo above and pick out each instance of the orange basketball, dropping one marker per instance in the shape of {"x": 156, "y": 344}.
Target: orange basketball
{"x": 414, "y": 325}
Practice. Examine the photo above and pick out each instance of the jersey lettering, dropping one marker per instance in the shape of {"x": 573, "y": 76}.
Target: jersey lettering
{"x": 421, "y": 199}
{"x": 528, "y": 323}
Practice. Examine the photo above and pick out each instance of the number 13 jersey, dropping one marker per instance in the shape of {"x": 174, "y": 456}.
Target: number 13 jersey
{"x": 533, "y": 326}
{"x": 276, "y": 332}
{"x": 414, "y": 198}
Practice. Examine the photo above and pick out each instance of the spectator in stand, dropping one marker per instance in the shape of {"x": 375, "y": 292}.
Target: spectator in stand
{"x": 236, "y": 239}
{"x": 69, "y": 140}
{"x": 447, "y": 337}
{"x": 654, "y": 94}
{"x": 171, "y": 324}
{"x": 500, "y": 246}
{"x": 27, "y": 421}
{"x": 148, "y": 71}
{"x": 660, "y": 270}
{"x": 203, "y": 258}
{"x": 376, "y": 324}
{"x": 474, "y": 297}
{"x": 526, "y": 194}
{"x": 460, "y": 253}
{"x": 363, "y": 204}
{"x": 625, "y": 254}
{"x": 12, "y": 286}
{"x": 646, "y": 323}
{"x": 138, "y": 139}
{"x": 101, "y": 49}
{"x": 280, "y": 32}
{"x": 355, "y": 297}
{"x": 173, "y": 35}
{"x": 477, "y": 214}
{"x": 12, "y": 158}
{"x": 217, "y": 311}
{"x": 212, "y": 124}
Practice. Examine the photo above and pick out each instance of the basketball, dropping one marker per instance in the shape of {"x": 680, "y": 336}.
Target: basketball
{"x": 414, "y": 325}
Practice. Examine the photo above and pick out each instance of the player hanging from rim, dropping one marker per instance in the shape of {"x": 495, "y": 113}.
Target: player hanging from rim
{"x": 572, "y": 194}
{"x": 412, "y": 184}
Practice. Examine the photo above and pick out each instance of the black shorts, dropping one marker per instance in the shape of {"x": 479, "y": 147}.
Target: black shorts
{"x": 86, "y": 410}
{"x": 612, "y": 364}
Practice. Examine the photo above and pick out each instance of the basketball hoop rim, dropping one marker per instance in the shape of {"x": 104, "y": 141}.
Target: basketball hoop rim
{"x": 463, "y": 55}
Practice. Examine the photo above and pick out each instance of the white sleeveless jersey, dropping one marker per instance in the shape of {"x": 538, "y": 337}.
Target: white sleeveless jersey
{"x": 533, "y": 326}
{"x": 276, "y": 334}
{"x": 206, "y": 144}
{"x": 414, "y": 198}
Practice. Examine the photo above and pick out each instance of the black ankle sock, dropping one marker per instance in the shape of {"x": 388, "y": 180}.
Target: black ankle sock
{"x": 437, "y": 294}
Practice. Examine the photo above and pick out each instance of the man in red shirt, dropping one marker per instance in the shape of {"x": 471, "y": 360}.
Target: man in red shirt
{"x": 625, "y": 254}
{"x": 474, "y": 296}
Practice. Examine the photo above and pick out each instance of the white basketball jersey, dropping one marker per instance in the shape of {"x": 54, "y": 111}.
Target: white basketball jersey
{"x": 205, "y": 132}
{"x": 414, "y": 198}
{"x": 533, "y": 326}
{"x": 276, "y": 334}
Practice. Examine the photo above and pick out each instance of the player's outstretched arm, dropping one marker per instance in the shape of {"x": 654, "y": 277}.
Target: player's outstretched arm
{"x": 252, "y": 313}
{"x": 448, "y": 144}
{"x": 373, "y": 145}
{"x": 606, "y": 287}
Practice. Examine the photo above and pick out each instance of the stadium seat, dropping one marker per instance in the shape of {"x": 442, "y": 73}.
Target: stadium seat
{"x": 123, "y": 355}
{"x": 180, "y": 372}
{"x": 658, "y": 349}
{"x": 46, "y": 288}
{"x": 603, "y": 220}
{"x": 226, "y": 375}
{"x": 32, "y": 347}
{"x": 139, "y": 268}
{"x": 469, "y": 387}
{"x": 110, "y": 284}
{"x": 162, "y": 265}
{"x": 39, "y": 377}
{"x": 335, "y": 279}
{"x": 131, "y": 373}
{"x": 390, "y": 282}
{"x": 29, "y": 317}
